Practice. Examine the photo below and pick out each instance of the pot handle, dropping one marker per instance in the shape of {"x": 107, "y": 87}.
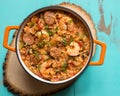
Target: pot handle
{"x": 5, "y": 44}
{"x": 6, "y": 35}
{"x": 102, "y": 54}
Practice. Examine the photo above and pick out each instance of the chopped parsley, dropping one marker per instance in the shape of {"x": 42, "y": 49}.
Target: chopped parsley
{"x": 21, "y": 44}
{"x": 70, "y": 40}
{"x": 64, "y": 42}
{"x": 86, "y": 33}
{"x": 46, "y": 27}
{"x": 26, "y": 43}
{"x": 51, "y": 33}
{"x": 48, "y": 43}
{"x": 36, "y": 54}
{"x": 32, "y": 24}
{"x": 64, "y": 66}
{"x": 41, "y": 44}
{"x": 70, "y": 21}
{"x": 56, "y": 29}
{"x": 38, "y": 67}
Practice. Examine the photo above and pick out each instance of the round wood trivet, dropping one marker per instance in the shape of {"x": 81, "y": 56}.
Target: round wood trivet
{"x": 20, "y": 83}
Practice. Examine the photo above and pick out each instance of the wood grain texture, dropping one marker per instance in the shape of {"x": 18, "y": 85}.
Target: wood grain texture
{"x": 20, "y": 83}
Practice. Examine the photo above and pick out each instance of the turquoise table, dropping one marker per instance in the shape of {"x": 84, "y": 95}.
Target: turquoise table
{"x": 96, "y": 80}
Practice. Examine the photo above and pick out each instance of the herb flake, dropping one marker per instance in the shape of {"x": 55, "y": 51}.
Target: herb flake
{"x": 51, "y": 33}
{"x": 64, "y": 42}
{"x": 64, "y": 66}
{"x": 41, "y": 44}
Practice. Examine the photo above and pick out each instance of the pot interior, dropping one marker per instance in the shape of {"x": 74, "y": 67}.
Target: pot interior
{"x": 49, "y": 23}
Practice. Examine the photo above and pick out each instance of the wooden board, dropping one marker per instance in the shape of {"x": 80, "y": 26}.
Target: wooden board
{"x": 20, "y": 83}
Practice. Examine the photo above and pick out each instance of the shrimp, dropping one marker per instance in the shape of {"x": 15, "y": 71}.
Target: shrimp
{"x": 42, "y": 33}
{"x": 72, "y": 27}
{"x": 63, "y": 23}
{"x": 46, "y": 71}
{"x": 40, "y": 24}
{"x": 29, "y": 30}
{"x": 44, "y": 66}
{"x": 56, "y": 38}
{"x": 45, "y": 35}
{"x": 73, "y": 49}
{"x": 34, "y": 19}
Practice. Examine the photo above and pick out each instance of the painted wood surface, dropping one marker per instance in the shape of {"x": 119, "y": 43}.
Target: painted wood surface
{"x": 96, "y": 80}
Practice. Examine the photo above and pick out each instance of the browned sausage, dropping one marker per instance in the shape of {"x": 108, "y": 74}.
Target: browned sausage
{"x": 27, "y": 38}
{"x": 49, "y": 17}
{"x": 55, "y": 52}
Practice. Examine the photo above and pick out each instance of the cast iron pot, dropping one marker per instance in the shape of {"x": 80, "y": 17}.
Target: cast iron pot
{"x": 20, "y": 28}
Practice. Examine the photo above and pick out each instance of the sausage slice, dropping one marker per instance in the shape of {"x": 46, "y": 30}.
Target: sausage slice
{"x": 55, "y": 52}
{"x": 49, "y": 17}
{"x": 28, "y": 38}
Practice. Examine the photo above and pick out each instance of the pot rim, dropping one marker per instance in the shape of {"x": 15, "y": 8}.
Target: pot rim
{"x": 55, "y": 7}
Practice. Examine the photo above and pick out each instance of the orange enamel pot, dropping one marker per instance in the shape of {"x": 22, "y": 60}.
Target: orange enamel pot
{"x": 20, "y": 28}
